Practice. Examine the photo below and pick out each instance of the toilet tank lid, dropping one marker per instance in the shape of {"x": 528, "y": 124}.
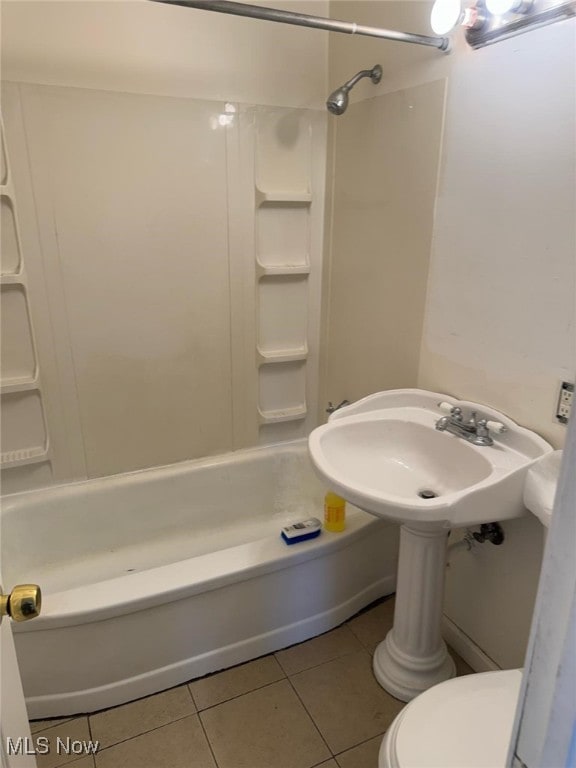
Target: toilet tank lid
{"x": 466, "y": 721}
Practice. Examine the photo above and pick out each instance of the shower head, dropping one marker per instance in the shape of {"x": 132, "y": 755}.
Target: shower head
{"x": 338, "y": 100}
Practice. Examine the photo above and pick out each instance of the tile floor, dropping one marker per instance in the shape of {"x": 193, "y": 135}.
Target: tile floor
{"x": 312, "y": 705}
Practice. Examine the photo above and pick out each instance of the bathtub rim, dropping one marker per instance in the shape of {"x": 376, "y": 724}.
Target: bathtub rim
{"x": 9, "y": 501}
{"x": 169, "y": 583}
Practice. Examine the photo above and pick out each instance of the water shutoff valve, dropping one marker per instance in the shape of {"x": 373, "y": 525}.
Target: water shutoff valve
{"x": 492, "y": 532}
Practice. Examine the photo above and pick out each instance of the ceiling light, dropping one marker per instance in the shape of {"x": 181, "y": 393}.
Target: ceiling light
{"x": 446, "y": 14}
{"x": 501, "y": 7}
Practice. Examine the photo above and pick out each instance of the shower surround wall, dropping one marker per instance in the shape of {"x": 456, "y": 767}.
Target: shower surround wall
{"x": 163, "y": 252}
{"x": 173, "y": 245}
{"x": 385, "y": 170}
{"x": 498, "y": 326}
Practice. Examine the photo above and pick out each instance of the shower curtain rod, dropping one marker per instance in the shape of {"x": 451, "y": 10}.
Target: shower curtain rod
{"x": 305, "y": 20}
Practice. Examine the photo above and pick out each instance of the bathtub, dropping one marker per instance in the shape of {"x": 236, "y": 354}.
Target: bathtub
{"x": 157, "y": 577}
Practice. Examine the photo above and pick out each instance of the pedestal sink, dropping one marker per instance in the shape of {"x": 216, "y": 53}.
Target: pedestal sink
{"x": 385, "y": 455}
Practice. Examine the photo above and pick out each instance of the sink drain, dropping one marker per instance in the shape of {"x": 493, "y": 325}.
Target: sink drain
{"x": 426, "y": 493}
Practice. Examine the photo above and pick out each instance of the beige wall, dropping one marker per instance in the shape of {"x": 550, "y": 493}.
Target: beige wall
{"x": 138, "y": 46}
{"x": 499, "y": 318}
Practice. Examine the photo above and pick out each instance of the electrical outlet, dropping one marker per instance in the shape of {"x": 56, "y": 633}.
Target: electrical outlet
{"x": 564, "y": 407}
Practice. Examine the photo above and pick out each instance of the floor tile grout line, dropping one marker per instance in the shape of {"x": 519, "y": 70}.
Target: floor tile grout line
{"x": 309, "y": 640}
{"x": 319, "y": 765}
{"x": 326, "y": 661}
{"x": 362, "y": 643}
{"x": 150, "y": 730}
{"x": 360, "y": 743}
{"x": 91, "y": 739}
{"x": 367, "y": 645}
{"x": 89, "y": 727}
{"x": 311, "y": 718}
{"x": 187, "y": 686}
{"x": 75, "y": 760}
{"x": 205, "y": 732}
{"x": 245, "y": 693}
{"x": 57, "y": 725}
{"x": 161, "y": 692}
{"x": 353, "y": 746}
{"x": 77, "y": 757}
{"x": 208, "y": 675}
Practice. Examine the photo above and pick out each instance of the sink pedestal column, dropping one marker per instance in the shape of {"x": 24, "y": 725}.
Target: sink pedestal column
{"x": 413, "y": 656}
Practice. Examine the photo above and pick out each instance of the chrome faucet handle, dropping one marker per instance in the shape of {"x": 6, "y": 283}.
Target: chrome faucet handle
{"x": 331, "y": 408}
{"x": 456, "y": 413}
{"x": 492, "y": 426}
{"x": 482, "y": 434}
{"x": 497, "y": 426}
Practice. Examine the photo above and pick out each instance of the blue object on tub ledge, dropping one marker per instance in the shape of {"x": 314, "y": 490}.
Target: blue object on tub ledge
{"x": 302, "y": 531}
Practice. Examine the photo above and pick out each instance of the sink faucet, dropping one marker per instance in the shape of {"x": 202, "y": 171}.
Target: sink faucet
{"x": 476, "y": 431}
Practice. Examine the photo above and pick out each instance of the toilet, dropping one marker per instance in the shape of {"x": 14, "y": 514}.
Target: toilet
{"x": 465, "y": 722}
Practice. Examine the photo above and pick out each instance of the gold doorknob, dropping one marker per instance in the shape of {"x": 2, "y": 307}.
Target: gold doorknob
{"x": 23, "y": 603}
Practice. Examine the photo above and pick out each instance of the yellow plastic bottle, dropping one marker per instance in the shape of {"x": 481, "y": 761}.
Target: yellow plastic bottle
{"x": 334, "y": 513}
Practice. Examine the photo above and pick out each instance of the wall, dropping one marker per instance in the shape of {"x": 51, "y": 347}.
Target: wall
{"x": 150, "y": 230}
{"x": 500, "y": 316}
{"x": 499, "y": 319}
{"x": 499, "y": 325}
{"x": 386, "y": 152}
{"x": 140, "y": 46}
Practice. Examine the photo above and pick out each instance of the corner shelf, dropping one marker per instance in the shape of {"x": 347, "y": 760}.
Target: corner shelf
{"x": 22, "y": 384}
{"x": 285, "y": 414}
{"x": 285, "y": 234}
{"x": 23, "y": 456}
{"x": 281, "y": 355}
{"x": 300, "y": 197}
{"x": 12, "y": 278}
{"x": 281, "y": 270}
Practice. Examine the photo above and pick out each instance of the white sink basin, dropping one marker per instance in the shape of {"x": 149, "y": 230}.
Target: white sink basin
{"x": 382, "y": 452}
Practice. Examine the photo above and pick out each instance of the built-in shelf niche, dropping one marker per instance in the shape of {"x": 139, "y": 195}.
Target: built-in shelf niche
{"x": 286, "y": 186}
{"x": 284, "y": 149}
{"x": 17, "y": 359}
{"x": 25, "y": 457}
{"x": 282, "y": 313}
{"x": 36, "y": 474}
{"x": 10, "y": 259}
{"x": 283, "y": 235}
{"x": 23, "y": 432}
{"x": 282, "y": 387}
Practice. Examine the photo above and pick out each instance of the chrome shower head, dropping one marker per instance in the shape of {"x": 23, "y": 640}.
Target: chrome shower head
{"x": 337, "y": 102}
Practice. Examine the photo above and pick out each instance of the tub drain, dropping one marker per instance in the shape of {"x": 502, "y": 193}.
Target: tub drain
{"x": 426, "y": 493}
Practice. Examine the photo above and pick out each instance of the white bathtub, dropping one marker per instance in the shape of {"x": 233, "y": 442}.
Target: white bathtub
{"x": 157, "y": 577}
